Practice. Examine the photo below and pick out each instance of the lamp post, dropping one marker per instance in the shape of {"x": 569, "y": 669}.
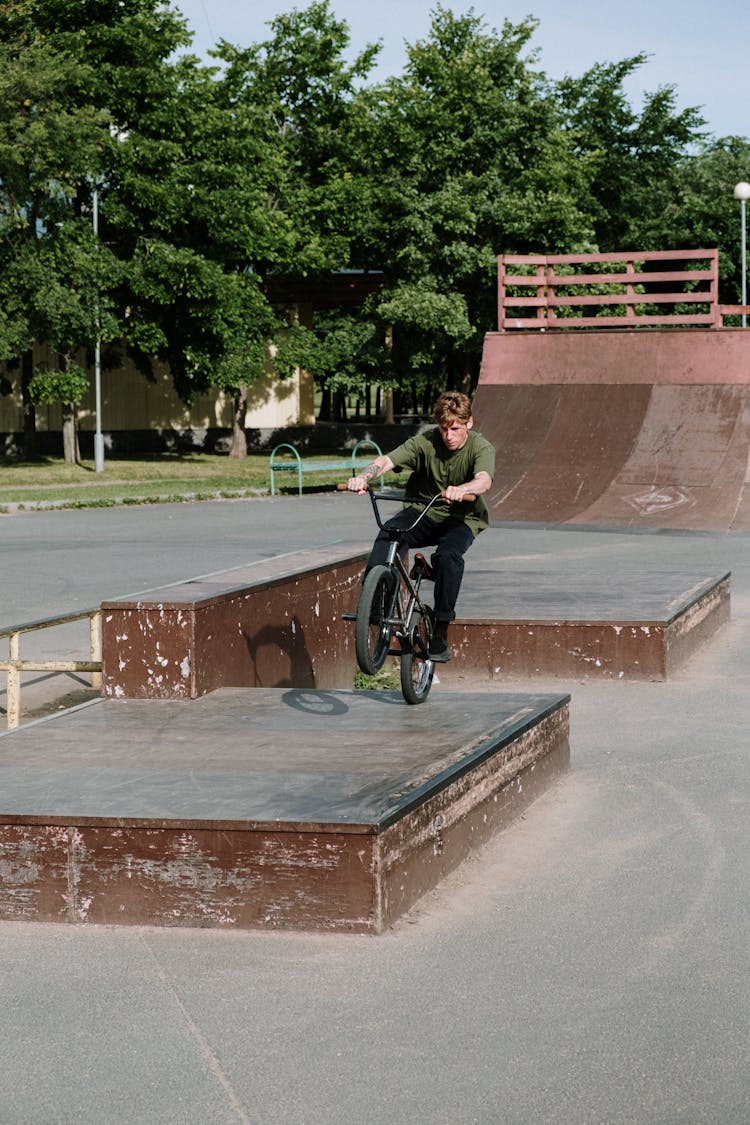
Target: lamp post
{"x": 98, "y": 436}
{"x": 742, "y": 192}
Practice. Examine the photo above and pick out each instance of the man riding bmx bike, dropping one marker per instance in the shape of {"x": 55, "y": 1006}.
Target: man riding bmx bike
{"x": 454, "y": 460}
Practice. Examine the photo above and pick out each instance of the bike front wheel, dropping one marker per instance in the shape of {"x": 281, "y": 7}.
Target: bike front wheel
{"x": 372, "y": 637}
{"x": 417, "y": 669}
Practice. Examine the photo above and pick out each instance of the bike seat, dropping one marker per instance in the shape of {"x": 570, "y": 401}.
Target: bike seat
{"x": 421, "y": 565}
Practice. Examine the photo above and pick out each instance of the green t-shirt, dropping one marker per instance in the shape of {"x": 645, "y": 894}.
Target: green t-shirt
{"x": 434, "y": 467}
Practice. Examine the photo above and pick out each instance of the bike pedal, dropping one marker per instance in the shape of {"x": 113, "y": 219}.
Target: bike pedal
{"x": 348, "y": 617}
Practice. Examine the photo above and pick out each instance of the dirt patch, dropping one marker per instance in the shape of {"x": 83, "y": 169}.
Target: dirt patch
{"x": 59, "y": 703}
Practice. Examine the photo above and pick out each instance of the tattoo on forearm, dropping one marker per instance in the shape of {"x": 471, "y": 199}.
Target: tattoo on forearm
{"x": 370, "y": 472}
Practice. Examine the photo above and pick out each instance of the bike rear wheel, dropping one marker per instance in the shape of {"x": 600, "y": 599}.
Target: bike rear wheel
{"x": 372, "y": 636}
{"x": 417, "y": 670}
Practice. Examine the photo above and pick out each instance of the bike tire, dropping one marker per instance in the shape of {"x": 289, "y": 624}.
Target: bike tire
{"x": 372, "y": 635}
{"x": 417, "y": 670}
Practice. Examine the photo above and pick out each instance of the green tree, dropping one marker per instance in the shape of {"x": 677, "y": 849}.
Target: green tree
{"x": 701, "y": 210}
{"x": 629, "y": 162}
{"x": 303, "y": 99}
{"x": 301, "y": 94}
{"x": 345, "y": 351}
{"x": 93, "y": 95}
{"x": 65, "y": 70}
{"x": 469, "y": 159}
{"x": 65, "y": 386}
{"x": 248, "y": 327}
{"x": 49, "y": 133}
{"x": 188, "y": 208}
{"x": 239, "y": 180}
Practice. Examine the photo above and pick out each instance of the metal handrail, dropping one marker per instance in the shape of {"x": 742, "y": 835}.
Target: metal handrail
{"x": 14, "y": 665}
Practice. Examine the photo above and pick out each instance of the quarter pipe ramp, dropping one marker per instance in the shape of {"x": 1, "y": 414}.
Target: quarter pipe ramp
{"x": 646, "y": 428}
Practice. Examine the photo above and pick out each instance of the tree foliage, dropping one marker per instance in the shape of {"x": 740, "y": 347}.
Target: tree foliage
{"x": 469, "y": 158}
{"x": 701, "y": 210}
{"x": 279, "y": 161}
{"x": 301, "y": 95}
{"x": 630, "y": 162}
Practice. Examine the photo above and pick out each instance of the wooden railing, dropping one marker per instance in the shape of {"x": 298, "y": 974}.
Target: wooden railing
{"x": 14, "y": 665}
{"x": 669, "y": 287}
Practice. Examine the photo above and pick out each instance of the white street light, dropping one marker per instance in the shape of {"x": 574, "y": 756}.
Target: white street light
{"x": 742, "y": 192}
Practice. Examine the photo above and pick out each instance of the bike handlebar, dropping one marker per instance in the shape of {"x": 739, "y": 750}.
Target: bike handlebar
{"x": 397, "y": 494}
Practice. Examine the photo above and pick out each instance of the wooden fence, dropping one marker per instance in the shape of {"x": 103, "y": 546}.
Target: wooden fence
{"x": 639, "y": 288}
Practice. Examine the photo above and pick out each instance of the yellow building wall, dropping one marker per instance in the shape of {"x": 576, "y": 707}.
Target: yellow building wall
{"x": 132, "y": 402}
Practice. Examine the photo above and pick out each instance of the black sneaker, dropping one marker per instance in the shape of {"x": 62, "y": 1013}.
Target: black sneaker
{"x": 439, "y": 651}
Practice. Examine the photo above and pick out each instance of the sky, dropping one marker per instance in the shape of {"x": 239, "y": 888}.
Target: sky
{"x": 698, "y": 46}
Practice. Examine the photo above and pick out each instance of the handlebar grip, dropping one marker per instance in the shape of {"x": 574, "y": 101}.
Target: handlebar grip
{"x": 342, "y": 486}
{"x": 468, "y": 497}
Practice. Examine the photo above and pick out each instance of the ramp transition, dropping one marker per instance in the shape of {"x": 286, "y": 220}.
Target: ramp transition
{"x": 629, "y": 428}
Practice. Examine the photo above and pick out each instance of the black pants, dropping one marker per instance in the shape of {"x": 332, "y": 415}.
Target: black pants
{"x": 452, "y": 539}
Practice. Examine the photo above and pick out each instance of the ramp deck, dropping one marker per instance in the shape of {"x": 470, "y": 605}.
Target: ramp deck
{"x": 281, "y": 626}
{"x": 258, "y": 808}
{"x": 583, "y": 623}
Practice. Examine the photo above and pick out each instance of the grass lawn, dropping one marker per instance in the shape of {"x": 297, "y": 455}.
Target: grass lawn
{"x": 165, "y": 477}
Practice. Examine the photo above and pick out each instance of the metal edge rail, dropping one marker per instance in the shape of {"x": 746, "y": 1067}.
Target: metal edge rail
{"x": 14, "y": 665}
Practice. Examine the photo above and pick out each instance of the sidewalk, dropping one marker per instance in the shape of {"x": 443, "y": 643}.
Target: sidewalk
{"x": 590, "y": 965}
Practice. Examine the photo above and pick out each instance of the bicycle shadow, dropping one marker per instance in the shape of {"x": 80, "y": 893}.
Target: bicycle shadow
{"x": 330, "y": 703}
{"x": 323, "y": 703}
{"x": 279, "y": 656}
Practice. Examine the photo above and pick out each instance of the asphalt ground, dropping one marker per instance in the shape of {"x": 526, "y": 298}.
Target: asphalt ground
{"x": 590, "y": 965}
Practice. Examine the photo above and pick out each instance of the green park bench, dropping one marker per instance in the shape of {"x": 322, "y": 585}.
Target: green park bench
{"x": 290, "y": 461}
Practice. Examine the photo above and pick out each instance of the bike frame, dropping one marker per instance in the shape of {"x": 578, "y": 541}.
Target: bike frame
{"x": 390, "y": 607}
{"x": 407, "y": 597}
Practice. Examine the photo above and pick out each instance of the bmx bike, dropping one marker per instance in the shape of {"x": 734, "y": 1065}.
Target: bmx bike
{"x": 391, "y": 608}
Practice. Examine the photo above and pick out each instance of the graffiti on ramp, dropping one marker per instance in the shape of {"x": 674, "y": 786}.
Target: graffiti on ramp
{"x": 657, "y": 500}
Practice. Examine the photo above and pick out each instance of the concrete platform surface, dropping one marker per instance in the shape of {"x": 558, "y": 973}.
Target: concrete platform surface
{"x": 262, "y": 809}
{"x": 253, "y": 755}
{"x": 513, "y": 593}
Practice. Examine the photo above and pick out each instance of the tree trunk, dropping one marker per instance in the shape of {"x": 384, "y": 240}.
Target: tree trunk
{"x": 30, "y": 443}
{"x": 467, "y": 379}
{"x": 325, "y": 405}
{"x": 388, "y": 394}
{"x": 339, "y": 407}
{"x": 71, "y": 452}
{"x": 238, "y": 448}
